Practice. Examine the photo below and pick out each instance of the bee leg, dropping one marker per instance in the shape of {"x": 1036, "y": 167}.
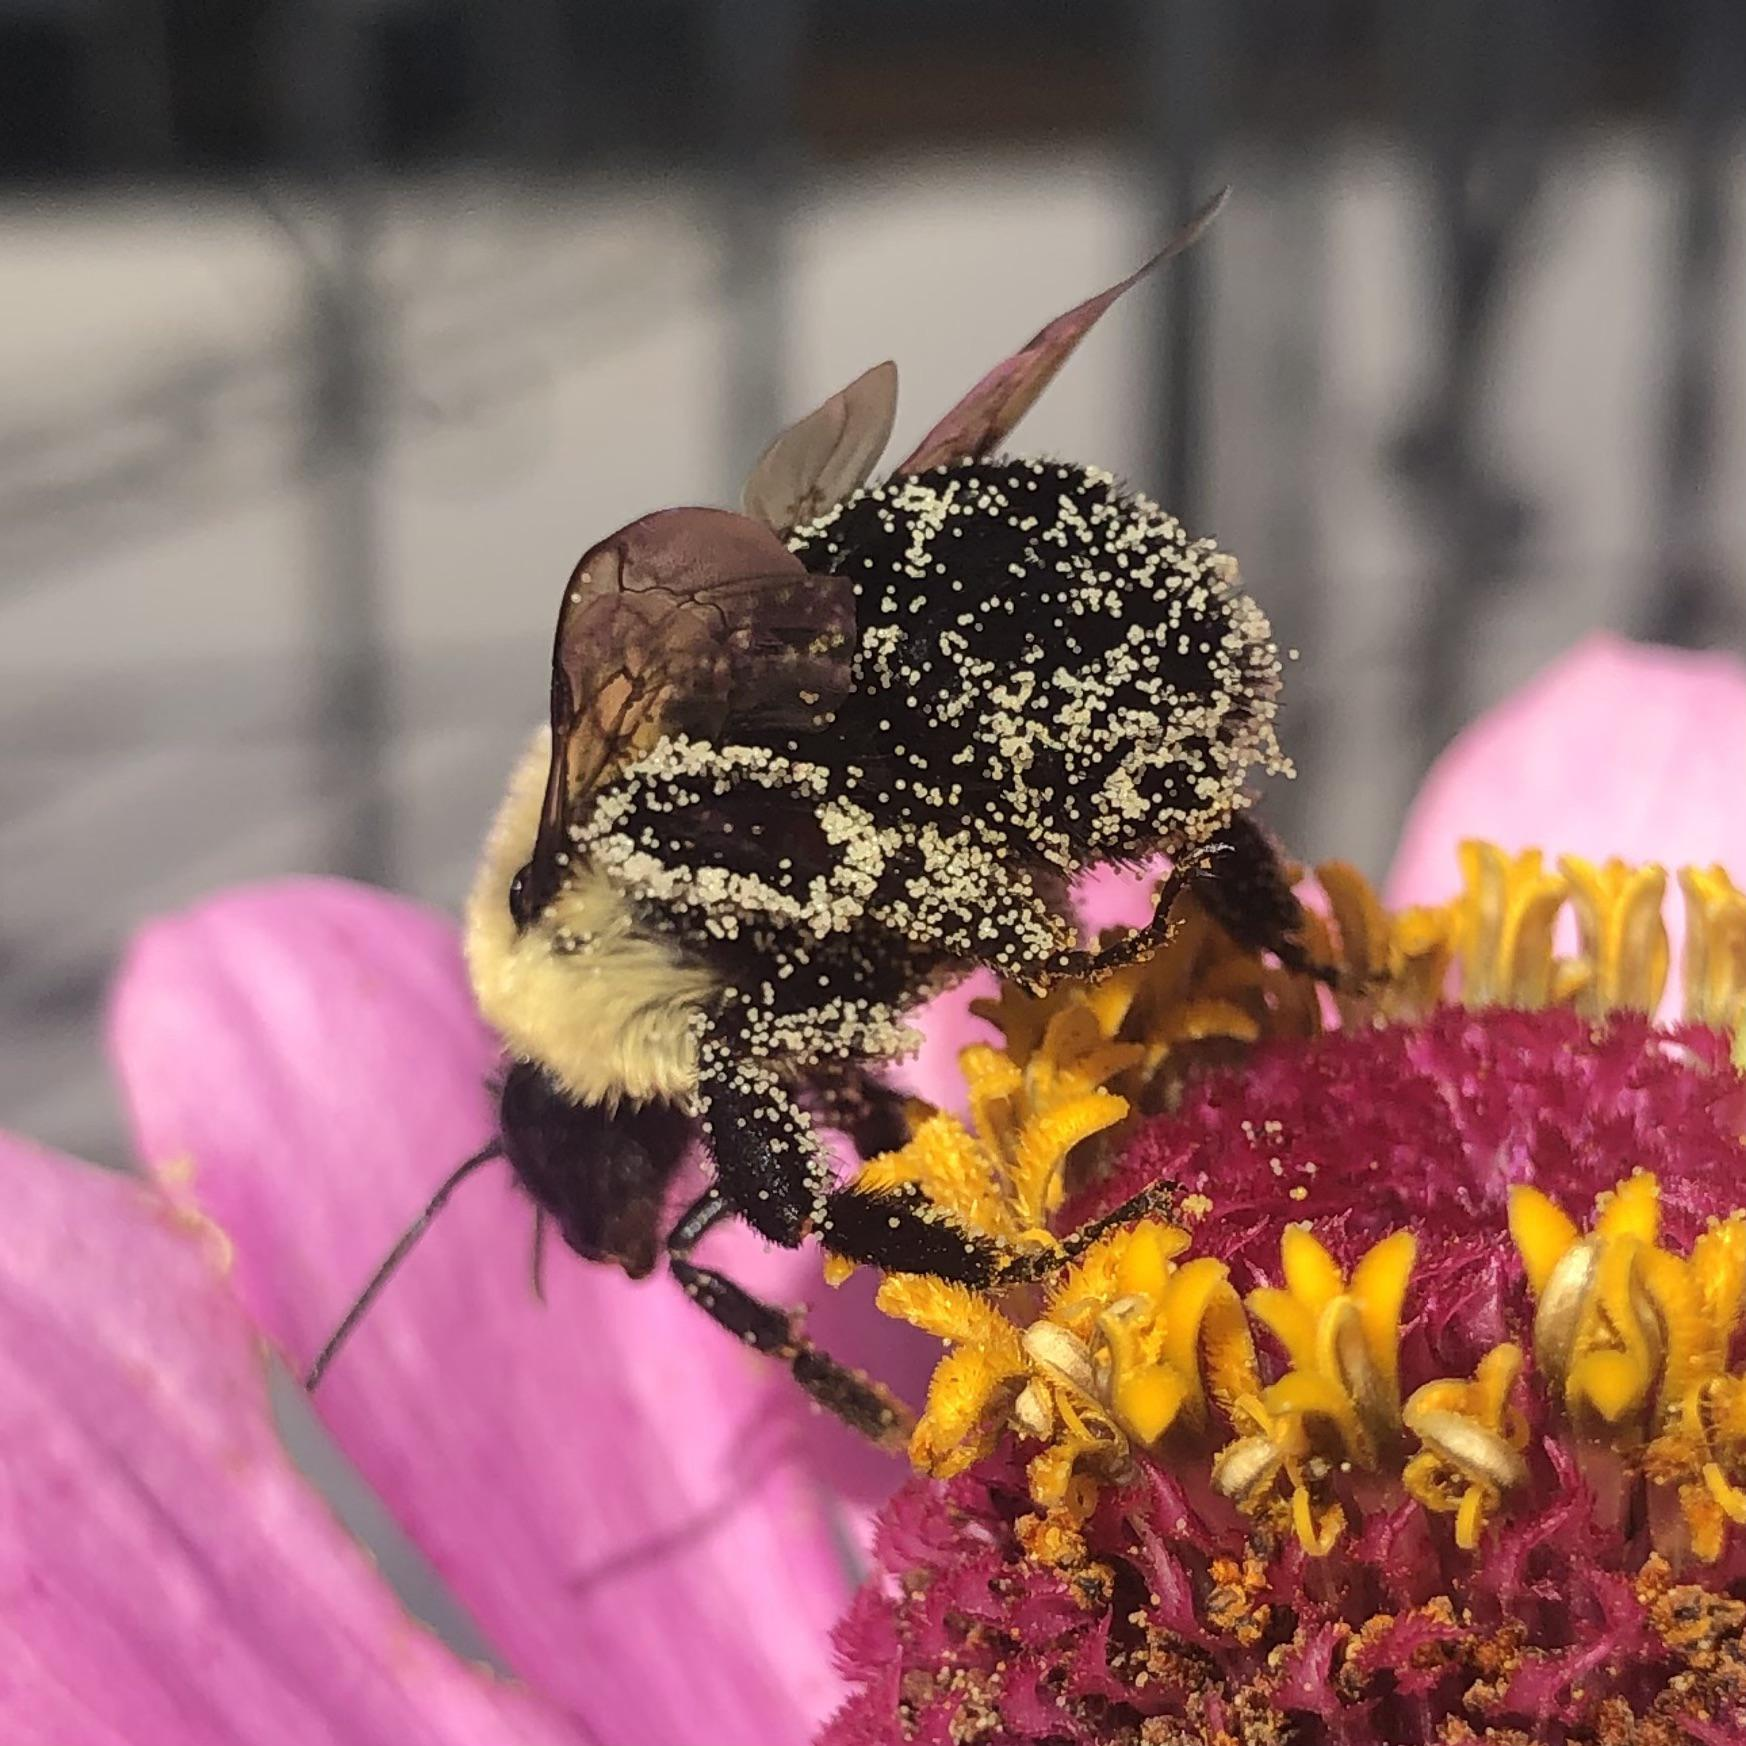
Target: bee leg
{"x": 901, "y": 1231}
{"x": 768, "y": 1163}
{"x": 770, "y": 1169}
{"x": 1155, "y": 1200}
{"x": 1138, "y": 944}
{"x": 1247, "y": 890}
{"x": 853, "y": 1396}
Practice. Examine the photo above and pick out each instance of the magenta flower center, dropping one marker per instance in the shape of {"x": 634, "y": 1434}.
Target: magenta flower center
{"x": 1422, "y": 1420}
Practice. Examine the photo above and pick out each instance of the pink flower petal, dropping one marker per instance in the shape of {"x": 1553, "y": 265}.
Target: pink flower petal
{"x": 1616, "y": 749}
{"x": 1109, "y": 897}
{"x": 165, "y": 1574}
{"x": 947, "y": 1026}
{"x": 634, "y": 1509}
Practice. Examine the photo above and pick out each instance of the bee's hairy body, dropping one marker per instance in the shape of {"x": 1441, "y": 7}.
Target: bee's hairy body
{"x": 1049, "y": 674}
{"x": 1046, "y": 674}
{"x": 609, "y": 1010}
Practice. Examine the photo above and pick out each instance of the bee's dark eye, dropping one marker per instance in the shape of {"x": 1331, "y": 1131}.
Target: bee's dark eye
{"x": 521, "y": 907}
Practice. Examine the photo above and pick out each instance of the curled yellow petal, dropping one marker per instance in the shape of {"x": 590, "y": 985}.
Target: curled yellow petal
{"x": 953, "y": 1312}
{"x": 1148, "y": 1399}
{"x": 1206, "y": 1334}
{"x": 1290, "y": 1321}
{"x": 1633, "y": 1209}
{"x": 1379, "y": 1283}
{"x": 1311, "y": 1273}
{"x": 1503, "y": 926}
{"x": 967, "y": 1403}
{"x": 1543, "y": 1234}
{"x": 1714, "y": 951}
{"x": 1144, "y": 1263}
{"x": 1624, "y": 940}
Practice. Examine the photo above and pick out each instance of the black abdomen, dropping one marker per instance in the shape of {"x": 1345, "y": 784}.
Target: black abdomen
{"x": 1047, "y": 656}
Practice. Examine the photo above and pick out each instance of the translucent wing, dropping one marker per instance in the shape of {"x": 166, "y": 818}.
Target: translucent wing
{"x": 825, "y": 456}
{"x": 982, "y": 419}
{"x": 693, "y": 621}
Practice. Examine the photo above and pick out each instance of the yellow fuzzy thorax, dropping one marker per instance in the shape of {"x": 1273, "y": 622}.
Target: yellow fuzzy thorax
{"x": 1140, "y": 1346}
{"x": 603, "y": 1007}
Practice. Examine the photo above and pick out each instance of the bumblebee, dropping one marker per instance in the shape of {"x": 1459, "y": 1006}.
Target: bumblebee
{"x": 810, "y": 764}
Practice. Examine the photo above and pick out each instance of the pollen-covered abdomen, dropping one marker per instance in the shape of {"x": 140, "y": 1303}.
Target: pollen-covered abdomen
{"x": 1050, "y": 656}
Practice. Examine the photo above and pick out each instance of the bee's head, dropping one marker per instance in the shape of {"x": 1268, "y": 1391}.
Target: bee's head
{"x": 601, "y": 1175}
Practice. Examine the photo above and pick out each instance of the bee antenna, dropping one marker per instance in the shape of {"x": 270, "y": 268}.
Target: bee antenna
{"x": 391, "y": 1262}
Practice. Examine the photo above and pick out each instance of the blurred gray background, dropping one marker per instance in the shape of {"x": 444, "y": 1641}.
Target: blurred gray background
{"x": 334, "y": 330}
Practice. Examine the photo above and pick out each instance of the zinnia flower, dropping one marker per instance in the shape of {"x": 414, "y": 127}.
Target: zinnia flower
{"x": 649, "y": 1528}
{"x": 1423, "y": 1416}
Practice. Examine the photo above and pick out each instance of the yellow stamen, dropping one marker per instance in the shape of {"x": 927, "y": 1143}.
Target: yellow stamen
{"x": 1599, "y": 1325}
{"x": 1714, "y": 967}
{"x": 1339, "y": 1401}
{"x": 1473, "y": 1440}
{"x": 1636, "y": 1341}
{"x": 1503, "y": 926}
{"x": 1624, "y": 940}
{"x": 1346, "y": 1334}
{"x": 1129, "y": 1349}
{"x": 1137, "y": 1351}
{"x": 1289, "y": 1431}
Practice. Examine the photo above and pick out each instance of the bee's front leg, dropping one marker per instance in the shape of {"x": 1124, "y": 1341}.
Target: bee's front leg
{"x": 770, "y": 1168}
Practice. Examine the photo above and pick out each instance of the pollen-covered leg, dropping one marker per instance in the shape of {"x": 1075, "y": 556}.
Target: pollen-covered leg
{"x": 1139, "y": 943}
{"x": 850, "y": 1394}
{"x": 768, "y": 1163}
{"x": 899, "y": 1230}
{"x": 771, "y": 1170}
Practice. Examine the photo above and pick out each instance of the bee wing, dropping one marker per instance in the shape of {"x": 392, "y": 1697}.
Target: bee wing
{"x": 693, "y": 621}
{"x": 817, "y": 462}
{"x": 982, "y": 419}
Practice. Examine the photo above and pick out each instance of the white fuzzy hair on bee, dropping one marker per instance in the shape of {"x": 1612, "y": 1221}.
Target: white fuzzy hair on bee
{"x": 607, "y": 1009}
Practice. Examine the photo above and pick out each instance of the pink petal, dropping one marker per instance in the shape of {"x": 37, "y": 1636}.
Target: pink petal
{"x": 635, "y": 1510}
{"x": 165, "y": 1574}
{"x": 947, "y": 1026}
{"x": 1109, "y": 897}
{"x": 1617, "y": 748}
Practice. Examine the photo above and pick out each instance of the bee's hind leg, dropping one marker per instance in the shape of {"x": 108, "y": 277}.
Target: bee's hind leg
{"x": 1246, "y": 888}
{"x": 1241, "y": 880}
{"x": 1138, "y": 944}
{"x": 853, "y": 1396}
{"x": 771, "y": 1172}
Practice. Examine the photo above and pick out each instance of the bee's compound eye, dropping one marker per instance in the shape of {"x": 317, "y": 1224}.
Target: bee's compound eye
{"x": 521, "y": 908}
